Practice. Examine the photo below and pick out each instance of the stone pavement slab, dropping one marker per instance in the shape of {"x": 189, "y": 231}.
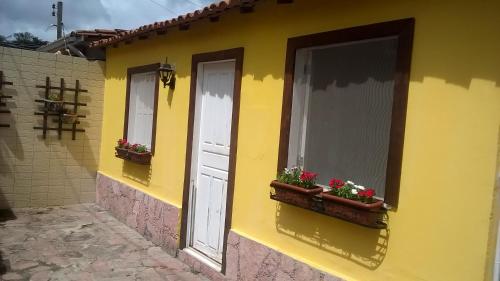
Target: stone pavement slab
{"x": 81, "y": 242}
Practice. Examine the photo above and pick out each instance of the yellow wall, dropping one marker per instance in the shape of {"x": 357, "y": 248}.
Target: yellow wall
{"x": 441, "y": 229}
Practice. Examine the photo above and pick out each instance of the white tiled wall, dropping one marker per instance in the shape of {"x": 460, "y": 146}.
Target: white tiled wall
{"x": 45, "y": 172}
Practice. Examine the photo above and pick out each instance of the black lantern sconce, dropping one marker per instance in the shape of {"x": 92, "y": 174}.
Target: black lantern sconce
{"x": 167, "y": 74}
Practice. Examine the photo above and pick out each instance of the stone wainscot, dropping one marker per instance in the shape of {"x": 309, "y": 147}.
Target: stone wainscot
{"x": 160, "y": 222}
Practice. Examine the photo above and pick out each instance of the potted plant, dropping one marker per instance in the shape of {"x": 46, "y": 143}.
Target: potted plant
{"x": 352, "y": 202}
{"x": 54, "y": 102}
{"x": 122, "y": 149}
{"x": 296, "y": 187}
{"x": 139, "y": 153}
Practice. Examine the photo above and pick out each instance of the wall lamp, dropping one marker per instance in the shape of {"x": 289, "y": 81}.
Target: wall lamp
{"x": 167, "y": 74}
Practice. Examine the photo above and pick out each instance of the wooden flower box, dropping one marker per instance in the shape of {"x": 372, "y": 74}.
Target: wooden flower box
{"x": 140, "y": 158}
{"x": 143, "y": 158}
{"x": 370, "y": 215}
{"x": 295, "y": 195}
{"x": 121, "y": 152}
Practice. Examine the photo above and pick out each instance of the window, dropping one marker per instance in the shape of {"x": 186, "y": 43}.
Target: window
{"x": 141, "y": 105}
{"x": 345, "y": 104}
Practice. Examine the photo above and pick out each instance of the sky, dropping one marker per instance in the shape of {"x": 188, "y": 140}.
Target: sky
{"x": 35, "y": 16}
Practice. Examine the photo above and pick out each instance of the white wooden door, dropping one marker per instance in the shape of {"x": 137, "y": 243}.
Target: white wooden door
{"x": 210, "y": 165}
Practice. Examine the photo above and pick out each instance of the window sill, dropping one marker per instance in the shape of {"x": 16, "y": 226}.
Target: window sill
{"x": 139, "y": 158}
{"x": 368, "y": 215}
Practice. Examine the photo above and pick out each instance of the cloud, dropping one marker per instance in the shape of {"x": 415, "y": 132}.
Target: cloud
{"x": 35, "y": 15}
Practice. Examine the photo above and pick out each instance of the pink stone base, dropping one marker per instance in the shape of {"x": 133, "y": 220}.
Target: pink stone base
{"x": 158, "y": 222}
{"x": 154, "y": 219}
{"x": 250, "y": 260}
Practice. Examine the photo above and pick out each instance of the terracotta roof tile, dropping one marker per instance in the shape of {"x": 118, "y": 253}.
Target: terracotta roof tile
{"x": 208, "y": 11}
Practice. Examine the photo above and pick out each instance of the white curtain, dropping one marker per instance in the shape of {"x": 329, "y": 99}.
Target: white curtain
{"x": 341, "y": 113}
{"x": 141, "y": 108}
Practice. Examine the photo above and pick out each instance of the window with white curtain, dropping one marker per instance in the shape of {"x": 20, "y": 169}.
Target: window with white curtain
{"x": 341, "y": 110}
{"x": 344, "y": 104}
{"x": 141, "y": 108}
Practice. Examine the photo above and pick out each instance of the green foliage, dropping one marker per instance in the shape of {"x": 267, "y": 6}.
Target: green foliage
{"x": 290, "y": 176}
{"x": 54, "y": 96}
{"x": 350, "y": 191}
{"x": 140, "y": 148}
{"x": 296, "y": 176}
{"x": 345, "y": 192}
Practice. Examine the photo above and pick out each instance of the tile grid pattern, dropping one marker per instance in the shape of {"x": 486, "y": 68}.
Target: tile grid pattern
{"x": 37, "y": 172}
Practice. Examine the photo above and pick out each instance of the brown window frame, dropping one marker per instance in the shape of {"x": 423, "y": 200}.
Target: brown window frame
{"x": 403, "y": 29}
{"x": 136, "y": 70}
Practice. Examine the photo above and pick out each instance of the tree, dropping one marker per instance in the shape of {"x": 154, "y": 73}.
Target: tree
{"x": 24, "y": 38}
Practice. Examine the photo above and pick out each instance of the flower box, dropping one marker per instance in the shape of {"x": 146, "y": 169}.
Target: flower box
{"x": 135, "y": 153}
{"x": 367, "y": 214}
{"x": 143, "y": 158}
{"x": 295, "y": 195}
{"x": 345, "y": 200}
{"x": 121, "y": 152}
{"x": 136, "y": 157}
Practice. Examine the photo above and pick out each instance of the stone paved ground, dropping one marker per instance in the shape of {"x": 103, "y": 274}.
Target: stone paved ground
{"x": 80, "y": 242}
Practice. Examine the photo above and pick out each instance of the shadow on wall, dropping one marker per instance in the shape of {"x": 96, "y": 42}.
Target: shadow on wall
{"x": 137, "y": 172}
{"x": 82, "y": 149}
{"x": 10, "y": 151}
{"x": 364, "y": 246}
{"x": 88, "y": 161}
{"x": 451, "y": 52}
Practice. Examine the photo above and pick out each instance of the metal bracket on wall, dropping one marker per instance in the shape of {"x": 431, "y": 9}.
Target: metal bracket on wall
{"x": 2, "y": 97}
{"x": 55, "y": 106}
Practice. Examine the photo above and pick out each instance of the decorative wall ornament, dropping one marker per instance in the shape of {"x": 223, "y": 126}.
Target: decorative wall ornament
{"x": 54, "y": 105}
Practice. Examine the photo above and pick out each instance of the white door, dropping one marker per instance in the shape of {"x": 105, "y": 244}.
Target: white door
{"x": 210, "y": 157}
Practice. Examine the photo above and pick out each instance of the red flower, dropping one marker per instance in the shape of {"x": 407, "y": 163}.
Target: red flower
{"x": 368, "y": 193}
{"x": 336, "y": 183}
{"x": 123, "y": 143}
{"x": 308, "y": 176}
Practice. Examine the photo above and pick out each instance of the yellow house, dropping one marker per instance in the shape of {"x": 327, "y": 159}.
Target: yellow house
{"x": 400, "y": 96}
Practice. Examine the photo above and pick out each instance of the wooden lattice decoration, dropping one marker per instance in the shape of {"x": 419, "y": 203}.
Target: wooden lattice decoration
{"x": 55, "y": 105}
{"x": 3, "y": 97}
